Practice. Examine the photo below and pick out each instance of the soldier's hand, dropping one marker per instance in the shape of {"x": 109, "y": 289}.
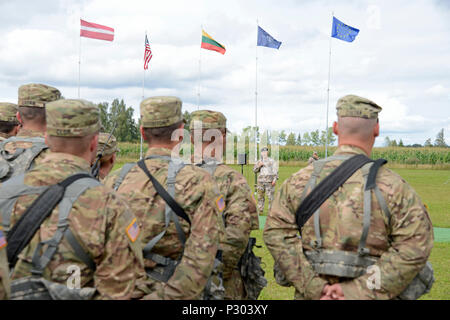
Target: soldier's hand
{"x": 274, "y": 182}
{"x": 333, "y": 292}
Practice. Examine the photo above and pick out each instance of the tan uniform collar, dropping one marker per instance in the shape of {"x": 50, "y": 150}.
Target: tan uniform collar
{"x": 78, "y": 164}
{"x": 158, "y": 152}
{"x": 349, "y": 149}
{"x": 4, "y": 136}
{"x": 29, "y": 133}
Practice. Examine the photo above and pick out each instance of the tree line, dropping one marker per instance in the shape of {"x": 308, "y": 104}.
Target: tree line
{"x": 438, "y": 142}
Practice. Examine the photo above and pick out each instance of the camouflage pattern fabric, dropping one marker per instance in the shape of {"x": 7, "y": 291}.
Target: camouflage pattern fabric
{"x": 72, "y": 118}
{"x": 8, "y": 112}
{"x": 240, "y": 218}
{"x": 262, "y": 189}
{"x": 5, "y": 289}
{"x": 3, "y": 136}
{"x": 209, "y": 119}
{"x": 268, "y": 172}
{"x": 37, "y": 95}
{"x": 103, "y": 225}
{"x": 160, "y": 112}
{"x": 354, "y": 106}
{"x": 108, "y": 146}
{"x": 194, "y": 192}
{"x": 402, "y": 244}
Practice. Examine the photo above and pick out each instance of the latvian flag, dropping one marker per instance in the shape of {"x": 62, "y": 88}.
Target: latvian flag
{"x": 96, "y": 31}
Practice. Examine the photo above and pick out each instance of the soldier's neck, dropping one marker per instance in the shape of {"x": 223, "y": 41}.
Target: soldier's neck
{"x": 33, "y": 127}
{"x": 169, "y": 146}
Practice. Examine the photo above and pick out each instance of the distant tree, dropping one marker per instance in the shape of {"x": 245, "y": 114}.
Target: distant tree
{"x": 331, "y": 137}
{"x": 282, "y": 137}
{"x": 298, "y": 142}
{"x": 315, "y": 138}
{"x": 306, "y": 139}
{"x": 265, "y": 137}
{"x": 387, "y": 142}
{"x": 400, "y": 143}
{"x": 440, "y": 140}
{"x": 393, "y": 143}
{"x": 290, "y": 139}
{"x": 126, "y": 128}
{"x": 428, "y": 143}
{"x": 416, "y": 145}
{"x": 105, "y": 116}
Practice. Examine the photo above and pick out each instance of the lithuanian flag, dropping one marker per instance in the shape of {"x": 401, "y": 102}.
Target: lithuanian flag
{"x": 209, "y": 43}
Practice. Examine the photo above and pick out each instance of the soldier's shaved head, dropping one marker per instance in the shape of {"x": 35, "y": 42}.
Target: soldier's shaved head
{"x": 357, "y": 128}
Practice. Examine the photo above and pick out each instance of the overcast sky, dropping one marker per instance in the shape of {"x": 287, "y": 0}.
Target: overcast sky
{"x": 400, "y": 59}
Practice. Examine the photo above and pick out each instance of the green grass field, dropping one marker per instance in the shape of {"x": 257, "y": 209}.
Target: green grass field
{"x": 433, "y": 186}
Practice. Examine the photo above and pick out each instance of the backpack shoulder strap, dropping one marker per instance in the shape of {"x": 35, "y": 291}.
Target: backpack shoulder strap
{"x": 26, "y": 227}
{"x": 122, "y": 174}
{"x": 327, "y": 187}
{"x": 71, "y": 194}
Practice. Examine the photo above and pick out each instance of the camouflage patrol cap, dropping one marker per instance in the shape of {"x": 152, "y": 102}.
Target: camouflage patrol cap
{"x": 37, "y": 95}
{"x": 8, "y": 112}
{"x": 159, "y": 112}
{"x": 72, "y": 118}
{"x": 110, "y": 146}
{"x": 354, "y": 106}
{"x": 209, "y": 119}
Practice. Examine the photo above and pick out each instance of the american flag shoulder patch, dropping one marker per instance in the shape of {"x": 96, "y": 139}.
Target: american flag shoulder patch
{"x": 220, "y": 203}
{"x": 2, "y": 239}
{"x": 133, "y": 230}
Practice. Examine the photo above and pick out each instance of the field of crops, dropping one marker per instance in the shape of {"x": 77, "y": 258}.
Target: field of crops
{"x": 397, "y": 155}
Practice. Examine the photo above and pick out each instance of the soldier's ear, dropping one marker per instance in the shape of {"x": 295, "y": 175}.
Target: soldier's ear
{"x": 376, "y": 130}
{"x": 141, "y": 129}
{"x": 335, "y": 128}
{"x": 19, "y": 118}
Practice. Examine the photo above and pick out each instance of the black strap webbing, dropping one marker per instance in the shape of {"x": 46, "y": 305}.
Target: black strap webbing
{"x": 28, "y": 224}
{"x": 164, "y": 194}
{"x": 371, "y": 179}
{"x": 327, "y": 187}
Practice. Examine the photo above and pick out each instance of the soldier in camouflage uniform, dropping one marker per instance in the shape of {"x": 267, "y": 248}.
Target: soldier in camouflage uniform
{"x": 31, "y": 112}
{"x": 99, "y": 219}
{"x": 9, "y": 125}
{"x": 400, "y": 245}
{"x": 240, "y": 215}
{"x": 314, "y": 157}
{"x": 29, "y": 141}
{"x": 4, "y": 270}
{"x": 267, "y": 178}
{"x": 108, "y": 144}
{"x": 193, "y": 191}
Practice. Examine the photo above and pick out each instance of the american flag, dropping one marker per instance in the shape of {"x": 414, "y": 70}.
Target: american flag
{"x": 147, "y": 54}
{"x": 2, "y": 239}
{"x": 133, "y": 230}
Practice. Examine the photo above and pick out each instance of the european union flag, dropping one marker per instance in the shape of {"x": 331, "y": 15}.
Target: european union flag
{"x": 342, "y": 31}
{"x": 266, "y": 40}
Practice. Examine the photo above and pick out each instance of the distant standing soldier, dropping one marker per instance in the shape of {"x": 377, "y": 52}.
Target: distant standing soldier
{"x": 240, "y": 215}
{"x": 91, "y": 235}
{"x": 107, "y": 144}
{"x": 29, "y": 141}
{"x": 9, "y": 125}
{"x": 314, "y": 157}
{"x": 267, "y": 178}
{"x": 180, "y": 240}
{"x": 369, "y": 240}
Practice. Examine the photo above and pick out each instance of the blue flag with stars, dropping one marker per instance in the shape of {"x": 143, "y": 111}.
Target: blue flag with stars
{"x": 342, "y": 31}
{"x": 266, "y": 40}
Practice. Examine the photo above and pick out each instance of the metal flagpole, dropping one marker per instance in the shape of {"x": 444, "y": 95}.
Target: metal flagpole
{"x": 79, "y": 66}
{"x": 143, "y": 95}
{"x": 199, "y": 72}
{"x": 328, "y": 95}
{"x": 256, "y": 93}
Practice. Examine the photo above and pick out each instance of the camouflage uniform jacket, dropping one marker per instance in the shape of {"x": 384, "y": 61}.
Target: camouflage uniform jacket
{"x": 402, "y": 244}
{"x": 268, "y": 172}
{"x": 240, "y": 215}
{"x": 99, "y": 219}
{"x": 4, "y": 270}
{"x": 194, "y": 192}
